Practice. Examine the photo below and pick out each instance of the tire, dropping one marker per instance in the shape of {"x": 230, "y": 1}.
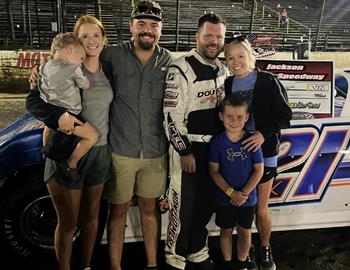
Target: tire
{"x": 28, "y": 218}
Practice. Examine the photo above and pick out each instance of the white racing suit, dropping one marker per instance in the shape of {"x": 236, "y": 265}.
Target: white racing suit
{"x": 194, "y": 90}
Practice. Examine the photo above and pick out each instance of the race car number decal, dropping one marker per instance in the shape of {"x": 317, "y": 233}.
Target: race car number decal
{"x": 308, "y": 159}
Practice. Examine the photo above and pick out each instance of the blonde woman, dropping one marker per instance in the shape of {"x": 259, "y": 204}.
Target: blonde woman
{"x": 269, "y": 113}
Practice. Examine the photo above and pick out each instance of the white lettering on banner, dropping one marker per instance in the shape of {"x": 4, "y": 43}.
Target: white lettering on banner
{"x": 284, "y": 67}
{"x": 315, "y": 77}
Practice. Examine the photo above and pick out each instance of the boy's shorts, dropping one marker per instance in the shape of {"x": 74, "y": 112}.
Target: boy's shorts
{"x": 95, "y": 168}
{"x": 229, "y": 216}
{"x": 61, "y": 145}
{"x": 143, "y": 177}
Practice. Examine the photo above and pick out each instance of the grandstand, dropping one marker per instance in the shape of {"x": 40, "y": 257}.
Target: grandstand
{"x": 334, "y": 30}
{"x": 31, "y": 24}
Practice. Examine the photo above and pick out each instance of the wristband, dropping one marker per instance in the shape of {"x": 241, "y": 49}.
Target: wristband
{"x": 229, "y": 191}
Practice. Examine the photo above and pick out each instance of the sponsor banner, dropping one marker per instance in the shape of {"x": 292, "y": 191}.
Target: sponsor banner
{"x": 22, "y": 59}
{"x": 15, "y": 68}
{"x": 309, "y": 85}
{"x": 263, "y": 44}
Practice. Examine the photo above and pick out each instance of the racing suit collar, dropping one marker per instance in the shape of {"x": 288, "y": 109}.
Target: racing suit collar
{"x": 195, "y": 53}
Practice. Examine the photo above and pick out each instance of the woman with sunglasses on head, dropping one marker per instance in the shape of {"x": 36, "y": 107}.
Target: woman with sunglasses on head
{"x": 79, "y": 202}
{"x": 269, "y": 113}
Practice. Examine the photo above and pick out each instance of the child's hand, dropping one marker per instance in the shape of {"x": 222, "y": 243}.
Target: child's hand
{"x": 86, "y": 85}
{"x": 238, "y": 198}
{"x": 66, "y": 123}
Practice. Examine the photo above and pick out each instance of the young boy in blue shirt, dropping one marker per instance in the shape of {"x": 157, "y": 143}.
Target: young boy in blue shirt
{"x": 236, "y": 172}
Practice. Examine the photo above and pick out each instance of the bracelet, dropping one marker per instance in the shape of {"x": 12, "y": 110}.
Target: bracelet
{"x": 229, "y": 191}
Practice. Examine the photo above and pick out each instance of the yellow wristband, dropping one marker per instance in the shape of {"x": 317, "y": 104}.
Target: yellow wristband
{"x": 229, "y": 191}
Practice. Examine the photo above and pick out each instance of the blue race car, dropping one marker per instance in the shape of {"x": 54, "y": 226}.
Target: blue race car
{"x": 27, "y": 215}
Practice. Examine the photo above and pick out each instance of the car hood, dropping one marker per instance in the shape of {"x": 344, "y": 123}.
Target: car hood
{"x": 24, "y": 123}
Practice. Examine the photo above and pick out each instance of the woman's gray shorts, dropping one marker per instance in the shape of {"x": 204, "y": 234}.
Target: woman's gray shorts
{"x": 94, "y": 168}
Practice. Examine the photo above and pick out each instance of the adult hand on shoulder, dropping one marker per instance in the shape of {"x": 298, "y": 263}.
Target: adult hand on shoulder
{"x": 33, "y": 78}
{"x": 254, "y": 141}
{"x": 188, "y": 163}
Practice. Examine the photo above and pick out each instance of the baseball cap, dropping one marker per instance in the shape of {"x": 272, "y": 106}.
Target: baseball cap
{"x": 147, "y": 9}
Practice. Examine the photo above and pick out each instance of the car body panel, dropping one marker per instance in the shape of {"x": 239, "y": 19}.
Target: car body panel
{"x": 312, "y": 189}
{"x": 20, "y": 145}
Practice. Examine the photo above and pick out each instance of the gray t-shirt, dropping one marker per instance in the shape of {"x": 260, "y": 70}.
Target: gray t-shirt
{"x": 136, "y": 118}
{"x": 59, "y": 84}
{"x": 96, "y": 101}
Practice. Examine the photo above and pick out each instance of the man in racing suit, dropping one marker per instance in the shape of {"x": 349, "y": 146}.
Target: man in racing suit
{"x": 194, "y": 89}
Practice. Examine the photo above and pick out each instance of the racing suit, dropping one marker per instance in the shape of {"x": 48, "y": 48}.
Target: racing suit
{"x": 194, "y": 90}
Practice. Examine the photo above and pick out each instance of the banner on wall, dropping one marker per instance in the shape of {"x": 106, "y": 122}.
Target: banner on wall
{"x": 309, "y": 85}
{"x": 22, "y": 59}
{"x": 16, "y": 66}
{"x": 263, "y": 44}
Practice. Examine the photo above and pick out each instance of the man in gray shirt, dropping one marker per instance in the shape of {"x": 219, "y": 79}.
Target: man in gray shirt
{"x": 137, "y": 70}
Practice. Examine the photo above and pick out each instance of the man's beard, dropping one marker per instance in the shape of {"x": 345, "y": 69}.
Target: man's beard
{"x": 147, "y": 45}
{"x": 205, "y": 51}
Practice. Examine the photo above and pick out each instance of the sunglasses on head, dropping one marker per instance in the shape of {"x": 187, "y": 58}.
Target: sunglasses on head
{"x": 148, "y": 10}
{"x": 235, "y": 39}
{"x": 211, "y": 14}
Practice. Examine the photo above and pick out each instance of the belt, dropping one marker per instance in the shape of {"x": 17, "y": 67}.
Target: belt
{"x": 199, "y": 138}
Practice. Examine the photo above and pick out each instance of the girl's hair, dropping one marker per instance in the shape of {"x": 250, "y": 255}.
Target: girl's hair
{"x": 91, "y": 20}
{"x": 62, "y": 40}
{"x": 246, "y": 44}
{"x": 234, "y": 100}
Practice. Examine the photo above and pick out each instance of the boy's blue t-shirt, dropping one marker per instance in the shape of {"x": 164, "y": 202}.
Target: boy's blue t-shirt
{"x": 235, "y": 164}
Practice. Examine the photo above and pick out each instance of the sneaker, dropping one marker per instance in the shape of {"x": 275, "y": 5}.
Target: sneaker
{"x": 204, "y": 265}
{"x": 266, "y": 259}
{"x": 250, "y": 262}
{"x": 239, "y": 265}
{"x": 226, "y": 265}
{"x": 170, "y": 267}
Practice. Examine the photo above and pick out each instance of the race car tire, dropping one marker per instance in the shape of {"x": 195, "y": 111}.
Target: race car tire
{"x": 28, "y": 219}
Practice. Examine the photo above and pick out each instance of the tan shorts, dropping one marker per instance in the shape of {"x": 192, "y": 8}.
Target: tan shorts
{"x": 143, "y": 177}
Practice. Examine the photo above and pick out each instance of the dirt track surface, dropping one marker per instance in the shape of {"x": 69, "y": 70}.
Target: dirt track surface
{"x": 322, "y": 249}
{"x": 12, "y": 106}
